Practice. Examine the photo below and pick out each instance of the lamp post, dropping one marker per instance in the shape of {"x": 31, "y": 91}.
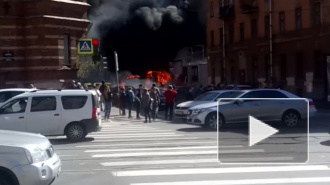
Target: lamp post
{"x": 117, "y": 70}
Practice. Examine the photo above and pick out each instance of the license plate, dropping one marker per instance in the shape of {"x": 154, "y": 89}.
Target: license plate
{"x": 179, "y": 112}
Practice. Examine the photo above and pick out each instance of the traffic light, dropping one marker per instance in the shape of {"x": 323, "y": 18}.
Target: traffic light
{"x": 96, "y": 54}
{"x": 106, "y": 63}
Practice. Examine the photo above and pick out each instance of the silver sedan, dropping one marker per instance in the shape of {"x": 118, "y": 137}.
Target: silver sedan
{"x": 280, "y": 106}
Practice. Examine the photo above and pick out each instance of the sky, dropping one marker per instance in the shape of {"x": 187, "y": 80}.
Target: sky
{"x": 146, "y": 34}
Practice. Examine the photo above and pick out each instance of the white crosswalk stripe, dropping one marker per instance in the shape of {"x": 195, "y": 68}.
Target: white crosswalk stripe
{"x": 138, "y": 151}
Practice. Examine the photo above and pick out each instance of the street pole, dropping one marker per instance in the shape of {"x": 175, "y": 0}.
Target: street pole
{"x": 270, "y": 43}
{"x": 224, "y": 79}
{"x": 117, "y": 70}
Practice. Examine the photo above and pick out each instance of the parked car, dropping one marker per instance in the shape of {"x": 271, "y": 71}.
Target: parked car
{"x": 289, "y": 113}
{"x": 73, "y": 113}
{"x": 6, "y": 94}
{"x": 27, "y": 159}
{"x": 181, "y": 110}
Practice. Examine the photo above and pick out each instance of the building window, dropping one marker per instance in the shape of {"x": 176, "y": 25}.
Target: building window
{"x": 282, "y": 22}
{"x": 298, "y": 19}
{"x": 267, "y": 30}
{"x": 211, "y": 9}
{"x": 231, "y": 33}
{"x": 221, "y": 36}
{"x": 254, "y": 28}
{"x": 212, "y": 39}
{"x": 67, "y": 50}
{"x": 316, "y": 13}
{"x": 194, "y": 73}
{"x": 241, "y": 31}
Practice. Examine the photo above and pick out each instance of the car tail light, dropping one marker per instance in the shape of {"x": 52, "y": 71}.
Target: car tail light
{"x": 94, "y": 114}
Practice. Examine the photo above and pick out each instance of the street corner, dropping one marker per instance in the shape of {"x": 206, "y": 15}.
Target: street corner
{"x": 267, "y": 130}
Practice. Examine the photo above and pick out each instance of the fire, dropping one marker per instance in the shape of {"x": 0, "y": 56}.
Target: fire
{"x": 130, "y": 77}
{"x": 162, "y": 77}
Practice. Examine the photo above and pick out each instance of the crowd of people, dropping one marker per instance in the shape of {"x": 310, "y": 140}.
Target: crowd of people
{"x": 147, "y": 100}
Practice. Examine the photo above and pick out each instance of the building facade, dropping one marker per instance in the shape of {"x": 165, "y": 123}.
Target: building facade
{"x": 279, "y": 42}
{"x": 38, "y": 40}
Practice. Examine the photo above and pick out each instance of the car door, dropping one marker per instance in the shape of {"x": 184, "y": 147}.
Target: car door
{"x": 44, "y": 115}
{"x": 13, "y": 115}
{"x": 271, "y": 108}
{"x": 245, "y": 107}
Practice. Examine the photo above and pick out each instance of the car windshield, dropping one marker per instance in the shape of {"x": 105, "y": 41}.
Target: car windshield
{"x": 207, "y": 97}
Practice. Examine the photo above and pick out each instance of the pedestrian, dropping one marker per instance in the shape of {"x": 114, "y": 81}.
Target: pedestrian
{"x": 32, "y": 86}
{"x": 155, "y": 103}
{"x": 73, "y": 85}
{"x": 190, "y": 94}
{"x": 79, "y": 86}
{"x": 199, "y": 91}
{"x": 146, "y": 104}
{"x": 170, "y": 96}
{"x": 102, "y": 88}
{"x": 108, "y": 96}
{"x": 130, "y": 101}
{"x": 122, "y": 100}
{"x": 138, "y": 97}
{"x": 98, "y": 93}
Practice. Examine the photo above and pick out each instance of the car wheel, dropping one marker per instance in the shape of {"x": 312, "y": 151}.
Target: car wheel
{"x": 75, "y": 132}
{"x": 211, "y": 121}
{"x": 5, "y": 181}
{"x": 291, "y": 118}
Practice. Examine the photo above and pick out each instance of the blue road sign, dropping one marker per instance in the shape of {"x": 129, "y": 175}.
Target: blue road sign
{"x": 85, "y": 47}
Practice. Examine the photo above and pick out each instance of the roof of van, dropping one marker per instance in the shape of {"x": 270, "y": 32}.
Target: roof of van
{"x": 16, "y": 89}
{"x": 57, "y": 92}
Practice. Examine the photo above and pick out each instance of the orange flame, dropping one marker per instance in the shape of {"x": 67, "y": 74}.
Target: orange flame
{"x": 162, "y": 77}
{"x": 130, "y": 77}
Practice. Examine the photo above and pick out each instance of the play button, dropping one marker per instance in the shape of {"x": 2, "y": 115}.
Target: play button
{"x": 259, "y": 131}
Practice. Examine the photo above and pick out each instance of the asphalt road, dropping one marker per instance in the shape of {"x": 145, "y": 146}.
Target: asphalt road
{"x": 129, "y": 152}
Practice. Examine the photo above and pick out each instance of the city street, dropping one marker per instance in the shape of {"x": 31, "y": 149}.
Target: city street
{"x": 175, "y": 153}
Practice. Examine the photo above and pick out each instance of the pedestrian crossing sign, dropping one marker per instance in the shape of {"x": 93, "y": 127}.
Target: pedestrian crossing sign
{"x": 85, "y": 47}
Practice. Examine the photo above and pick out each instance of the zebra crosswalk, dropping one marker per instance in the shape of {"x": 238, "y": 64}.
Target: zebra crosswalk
{"x": 143, "y": 154}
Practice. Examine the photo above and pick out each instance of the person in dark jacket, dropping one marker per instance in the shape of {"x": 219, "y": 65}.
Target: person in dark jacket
{"x": 138, "y": 97}
{"x": 146, "y": 105}
{"x": 170, "y": 96}
{"x": 155, "y": 103}
{"x": 102, "y": 89}
{"x": 130, "y": 101}
{"x": 108, "y": 103}
{"x": 122, "y": 100}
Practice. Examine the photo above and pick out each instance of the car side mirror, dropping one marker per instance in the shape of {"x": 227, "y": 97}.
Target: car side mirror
{"x": 239, "y": 102}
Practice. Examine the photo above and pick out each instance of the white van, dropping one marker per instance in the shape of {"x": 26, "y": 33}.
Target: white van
{"x": 73, "y": 113}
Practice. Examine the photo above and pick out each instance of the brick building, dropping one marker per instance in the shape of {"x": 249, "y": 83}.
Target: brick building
{"x": 298, "y": 31}
{"x": 38, "y": 40}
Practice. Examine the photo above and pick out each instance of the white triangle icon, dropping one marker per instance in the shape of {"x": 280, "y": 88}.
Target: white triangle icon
{"x": 85, "y": 47}
{"x": 259, "y": 131}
